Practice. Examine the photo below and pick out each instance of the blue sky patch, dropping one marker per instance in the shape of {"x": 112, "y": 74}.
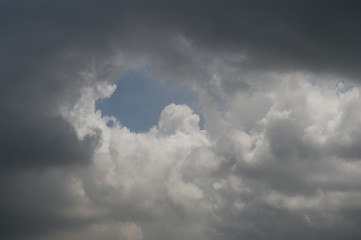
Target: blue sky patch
{"x": 138, "y": 100}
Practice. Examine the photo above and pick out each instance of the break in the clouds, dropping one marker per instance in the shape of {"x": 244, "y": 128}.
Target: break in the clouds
{"x": 278, "y": 86}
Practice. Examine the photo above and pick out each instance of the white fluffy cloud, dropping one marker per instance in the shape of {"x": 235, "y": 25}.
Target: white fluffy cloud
{"x": 290, "y": 148}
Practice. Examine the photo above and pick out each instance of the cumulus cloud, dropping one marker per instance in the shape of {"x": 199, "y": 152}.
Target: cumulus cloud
{"x": 277, "y": 172}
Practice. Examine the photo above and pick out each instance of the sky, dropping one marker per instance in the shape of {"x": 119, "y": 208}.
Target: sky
{"x": 204, "y": 120}
{"x": 138, "y": 108}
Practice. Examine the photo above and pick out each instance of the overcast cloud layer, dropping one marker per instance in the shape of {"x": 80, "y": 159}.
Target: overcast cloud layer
{"x": 279, "y": 89}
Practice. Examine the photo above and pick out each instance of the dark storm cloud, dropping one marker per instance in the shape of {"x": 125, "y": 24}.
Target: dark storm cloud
{"x": 31, "y": 203}
{"x": 315, "y": 35}
{"x": 278, "y": 35}
{"x": 289, "y": 35}
{"x": 41, "y": 71}
{"x": 51, "y": 143}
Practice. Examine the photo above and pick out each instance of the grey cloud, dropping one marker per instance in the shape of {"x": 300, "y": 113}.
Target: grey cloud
{"x": 53, "y": 142}
{"x": 262, "y": 221}
{"x": 41, "y": 72}
{"x": 278, "y": 35}
{"x": 35, "y": 202}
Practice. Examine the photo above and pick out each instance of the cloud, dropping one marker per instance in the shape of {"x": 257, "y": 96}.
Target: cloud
{"x": 278, "y": 157}
{"x": 245, "y": 181}
{"x": 111, "y": 230}
{"x": 278, "y": 172}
